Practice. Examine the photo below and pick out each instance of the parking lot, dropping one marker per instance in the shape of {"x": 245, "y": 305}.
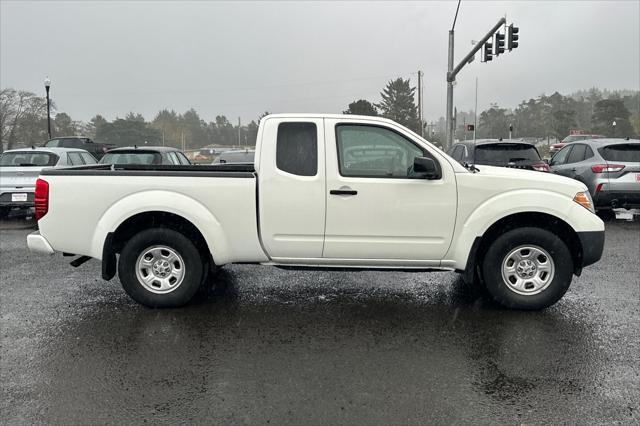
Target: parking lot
{"x": 283, "y": 347}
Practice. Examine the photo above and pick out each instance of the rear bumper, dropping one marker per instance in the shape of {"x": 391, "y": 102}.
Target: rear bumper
{"x": 39, "y": 244}
{"x": 5, "y": 198}
{"x": 592, "y": 246}
{"x": 617, "y": 199}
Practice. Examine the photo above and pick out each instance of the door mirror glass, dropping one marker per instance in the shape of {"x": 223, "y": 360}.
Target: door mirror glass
{"x": 426, "y": 167}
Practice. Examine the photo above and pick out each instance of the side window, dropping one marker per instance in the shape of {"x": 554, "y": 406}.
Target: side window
{"x": 173, "y": 158}
{"x": 75, "y": 159}
{"x": 458, "y": 153}
{"x": 297, "y": 148}
{"x": 371, "y": 151}
{"x": 588, "y": 153}
{"x": 577, "y": 154}
{"x": 183, "y": 160}
{"x": 561, "y": 156}
{"x": 88, "y": 158}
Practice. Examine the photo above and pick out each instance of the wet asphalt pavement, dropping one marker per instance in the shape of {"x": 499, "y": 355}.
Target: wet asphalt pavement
{"x": 290, "y": 347}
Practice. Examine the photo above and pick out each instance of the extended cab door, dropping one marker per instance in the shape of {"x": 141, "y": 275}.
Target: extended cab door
{"x": 379, "y": 212}
{"x": 291, "y": 187}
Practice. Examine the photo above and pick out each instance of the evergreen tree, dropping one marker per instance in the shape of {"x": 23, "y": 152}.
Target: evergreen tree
{"x": 361, "y": 107}
{"x": 398, "y": 103}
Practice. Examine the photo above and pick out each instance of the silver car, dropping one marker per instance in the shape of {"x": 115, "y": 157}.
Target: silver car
{"x": 20, "y": 168}
{"x": 244, "y": 156}
{"x": 609, "y": 167}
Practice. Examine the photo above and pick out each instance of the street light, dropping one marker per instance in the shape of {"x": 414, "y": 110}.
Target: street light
{"x": 47, "y": 85}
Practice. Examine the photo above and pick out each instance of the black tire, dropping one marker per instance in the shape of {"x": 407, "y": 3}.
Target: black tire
{"x": 181, "y": 245}
{"x": 501, "y": 291}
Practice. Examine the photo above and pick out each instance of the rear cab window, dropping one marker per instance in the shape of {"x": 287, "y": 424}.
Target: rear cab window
{"x": 297, "y": 148}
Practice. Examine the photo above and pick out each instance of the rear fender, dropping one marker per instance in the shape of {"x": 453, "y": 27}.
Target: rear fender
{"x": 163, "y": 201}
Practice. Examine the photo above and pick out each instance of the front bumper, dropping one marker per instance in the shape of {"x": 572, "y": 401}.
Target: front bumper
{"x": 592, "y": 246}
{"x": 39, "y": 244}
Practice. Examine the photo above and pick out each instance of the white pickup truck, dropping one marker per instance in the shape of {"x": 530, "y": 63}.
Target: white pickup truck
{"x": 325, "y": 191}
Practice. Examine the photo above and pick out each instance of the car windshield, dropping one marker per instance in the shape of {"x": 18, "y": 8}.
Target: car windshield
{"x": 624, "y": 153}
{"x": 28, "y": 159}
{"x": 131, "y": 158}
{"x": 505, "y": 153}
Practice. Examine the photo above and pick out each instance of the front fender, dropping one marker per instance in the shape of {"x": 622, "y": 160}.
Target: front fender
{"x": 509, "y": 203}
{"x": 164, "y": 201}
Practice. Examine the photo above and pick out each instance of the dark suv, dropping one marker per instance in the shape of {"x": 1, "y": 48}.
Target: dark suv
{"x": 80, "y": 142}
{"x": 495, "y": 152}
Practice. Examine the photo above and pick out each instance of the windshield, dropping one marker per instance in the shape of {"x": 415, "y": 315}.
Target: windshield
{"x": 505, "y": 153}
{"x": 131, "y": 158}
{"x": 27, "y": 159}
{"x": 624, "y": 153}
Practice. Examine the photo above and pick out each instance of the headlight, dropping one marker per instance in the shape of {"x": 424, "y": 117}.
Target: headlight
{"x": 585, "y": 200}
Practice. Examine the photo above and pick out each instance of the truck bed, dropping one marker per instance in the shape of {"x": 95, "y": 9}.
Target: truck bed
{"x": 93, "y": 201}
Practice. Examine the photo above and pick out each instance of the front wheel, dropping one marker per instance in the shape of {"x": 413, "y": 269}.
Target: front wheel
{"x": 160, "y": 268}
{"x": 527, "y": 268}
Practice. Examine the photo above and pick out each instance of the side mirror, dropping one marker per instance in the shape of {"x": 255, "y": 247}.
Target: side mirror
{"x": 427, "y": 167}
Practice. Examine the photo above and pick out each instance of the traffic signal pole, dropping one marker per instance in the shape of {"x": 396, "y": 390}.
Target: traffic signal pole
{"x": 452, "y": 72}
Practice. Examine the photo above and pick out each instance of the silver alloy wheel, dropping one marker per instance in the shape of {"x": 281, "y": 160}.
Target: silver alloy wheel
{"x": 160, "y": 269}
{"x": 527, "y": 270}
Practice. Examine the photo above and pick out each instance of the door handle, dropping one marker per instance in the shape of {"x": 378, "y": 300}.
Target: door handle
{"x": 574, "y": 169}
{"x": 343, "y": 192}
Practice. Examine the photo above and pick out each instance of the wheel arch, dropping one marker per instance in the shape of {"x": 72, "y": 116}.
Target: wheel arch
{"x": 115, "y": 240}
{"x": 540, "y": 220}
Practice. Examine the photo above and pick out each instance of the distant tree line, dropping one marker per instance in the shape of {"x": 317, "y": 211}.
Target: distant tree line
{"x": 555, "y": 116}
{"x": 23, "y": 120}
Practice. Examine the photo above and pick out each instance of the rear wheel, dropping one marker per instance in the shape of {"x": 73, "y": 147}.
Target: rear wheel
{"x": 160, "y": 268}
{"x": 527, "y": 268}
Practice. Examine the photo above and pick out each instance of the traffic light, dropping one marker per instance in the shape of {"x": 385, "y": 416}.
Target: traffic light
{"x": 488, "y": 51}
{"x": 499, "y": 43}
{"x": 512, "y": 40}
{"x": 470, "y": 127}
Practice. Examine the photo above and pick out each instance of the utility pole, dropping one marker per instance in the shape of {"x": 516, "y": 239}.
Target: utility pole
{"x": 453, "y": 72}
{"x": 239, "y": 142}
{"x": 420, "y": 102}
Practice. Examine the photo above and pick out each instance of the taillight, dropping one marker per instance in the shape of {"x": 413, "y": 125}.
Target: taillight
{"x": 540, "y": 167}
{"x": 41, "y": 198}
{"x": 606, "y": 168}
{"x": 599, "y": 187}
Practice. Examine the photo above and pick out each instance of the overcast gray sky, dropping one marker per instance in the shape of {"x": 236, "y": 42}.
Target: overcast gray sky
{"x": 241, "y": 58}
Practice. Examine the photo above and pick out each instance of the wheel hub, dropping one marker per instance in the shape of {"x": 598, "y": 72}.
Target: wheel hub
{"x": 526, "y": 268}
{"x": 160, "y": 269}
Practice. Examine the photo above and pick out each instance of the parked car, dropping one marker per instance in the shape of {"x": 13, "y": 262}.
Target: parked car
{"x": 152, "y": 155}
{"x": 301, "y": 205}
{"x": 610, "y": 168}
{"x": 569, "y": 139}
{"x": 80, "y": 142}
{"x": 19, "y": 169}
{"x": 495, "y": 152}
{"x": 240, "y": 156}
